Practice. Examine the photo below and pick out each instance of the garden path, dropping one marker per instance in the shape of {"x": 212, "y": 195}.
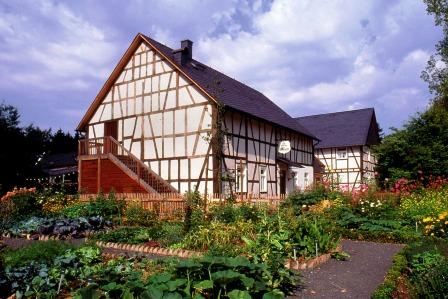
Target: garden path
{"x": 356, "y": 278}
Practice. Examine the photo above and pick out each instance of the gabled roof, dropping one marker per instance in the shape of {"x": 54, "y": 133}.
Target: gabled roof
{"x": 339, "y": 129}
{"x": 216, "y": 85}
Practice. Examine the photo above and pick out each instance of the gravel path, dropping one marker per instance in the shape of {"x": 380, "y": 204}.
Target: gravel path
{"x": 356, "y": 278}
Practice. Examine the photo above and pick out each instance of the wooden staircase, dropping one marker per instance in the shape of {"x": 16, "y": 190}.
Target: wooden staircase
{"x": 111, "y": 149}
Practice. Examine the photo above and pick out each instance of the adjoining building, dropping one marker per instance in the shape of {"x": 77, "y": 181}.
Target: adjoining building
{"x": 164, "y": 122}
{"x": 345, "y": 146}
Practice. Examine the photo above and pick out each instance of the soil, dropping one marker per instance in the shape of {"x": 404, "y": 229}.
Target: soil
{"x": 356, "y": 278}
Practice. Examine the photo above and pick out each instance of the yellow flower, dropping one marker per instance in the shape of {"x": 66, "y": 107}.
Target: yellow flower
{"x": 427, "y": 219}
{"x": 443, "y": 215}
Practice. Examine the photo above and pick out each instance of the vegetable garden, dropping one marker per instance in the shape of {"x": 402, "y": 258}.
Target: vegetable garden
{"x": 244, "y": 247}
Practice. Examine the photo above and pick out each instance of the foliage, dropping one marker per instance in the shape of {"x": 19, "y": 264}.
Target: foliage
{"x": 272, "y": 244}
{"x": 219, "y": 237}
{"x": 136, "y": 215}
{"x": 385, "y": 290}
{"x": 60, "y": 227}
{"x": 128, "y": 235}
{"x": 306, "y": 198}
{"x": 229, "y": 213}
{"x": 209, "y": 277}
{"x": 44, "y": 279}
{"x": 25, "y": 204}
{"x": 340, "y": 255}
{"x": 194, "y": 214}
{"x": 26, "y": 145}
{"x": 426, "y": 203}
{"x": 437, "y": 226}
{"x": 42, "y": 251}
{"x": 53, "y": 200}
{"x": 108, "y": 207}
{"x": 433, "y": 283}
{"x": 312, "y": 235}
{"x": 170, "y": 233}
{"x": 385, "y": 228}
{"x": 421, "y": 268}
{"x": 422, "y": 145}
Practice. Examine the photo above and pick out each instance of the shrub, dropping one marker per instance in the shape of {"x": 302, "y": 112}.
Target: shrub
{"x": 228, "y": 212}
{"x": 136, "y": 215}
{"x": 128, "y": 235}
{"x": 53, "y": 201}
{"x": 218, "y": 235}
{"x": 170, "y": 233}
{"x": 427, "y": 203}
{"x": 25, "y": 204}
{"x": 433, "y": 283}
{"x": 194, "y": 214}
{"x": 39, "y": 251}
{"x": 436, "y": 226}
{"x": 108, "y": 207}
{"x": 6, "y": 219}
{"x": 385, "y": 290}
{"x": 308, "y": 197}
{"x": 314, "y": 233}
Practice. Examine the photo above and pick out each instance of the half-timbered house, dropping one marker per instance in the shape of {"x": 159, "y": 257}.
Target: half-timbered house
{"x": 164, "y": 122}
{"x": 344, "y": 148}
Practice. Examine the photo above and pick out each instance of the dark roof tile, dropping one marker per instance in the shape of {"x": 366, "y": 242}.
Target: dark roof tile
{"x": 347, "y": 128}
{"x": 233, "y": 93}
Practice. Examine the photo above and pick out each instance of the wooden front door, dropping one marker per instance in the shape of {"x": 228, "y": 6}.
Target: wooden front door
{"x": 282, "y": 181}
{"x": 110, "y": 130}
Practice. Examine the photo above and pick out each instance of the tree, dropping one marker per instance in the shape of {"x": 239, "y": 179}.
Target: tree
{"x": 421, "y": 147}
{"x": 23, "y": 147}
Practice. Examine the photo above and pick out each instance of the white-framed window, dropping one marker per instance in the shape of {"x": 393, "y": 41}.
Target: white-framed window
{"x": 295, "y": 176}
{"x": 263, "y": 179}
{"x": 342, "y": 153}
{"x": 306, "y": 179}
{"x": 241, "y": 178}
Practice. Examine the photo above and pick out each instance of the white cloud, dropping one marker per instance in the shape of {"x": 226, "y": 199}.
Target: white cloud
{"x": 322, "y": 56}
{"x": 52, "y": 48}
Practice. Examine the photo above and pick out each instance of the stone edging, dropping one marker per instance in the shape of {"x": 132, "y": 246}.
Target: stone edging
{"x": 149, "y": 250}
{"x": 46, "y": 237}
{"x": 291, "y": 263}
{"x": 311, "y": 263}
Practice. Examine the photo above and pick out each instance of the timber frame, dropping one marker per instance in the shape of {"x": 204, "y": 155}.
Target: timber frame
{"x": 183, "y": 133}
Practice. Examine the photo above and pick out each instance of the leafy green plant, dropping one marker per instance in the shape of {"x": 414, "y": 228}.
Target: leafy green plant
{"x": 194, "y": 213}
{"x": 313, "y": 235}
{"x": 220, "y": 237}
{"x": 300, "y": 199}
{"x": 128, "y": 235}
{"x": 108, "y": 207}
{"x": 426, "y": 203}
{"x": 41, "y": 251}
{"x": 340, "y": 255}
{"x": 25, "y": 204}
{"x": 136, "y": 215}
{"x": 229, "y": 212}
{"x": 208, "y": 277}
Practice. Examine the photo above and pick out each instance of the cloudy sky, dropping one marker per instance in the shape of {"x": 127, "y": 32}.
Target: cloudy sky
{"x": 308, "y": 56}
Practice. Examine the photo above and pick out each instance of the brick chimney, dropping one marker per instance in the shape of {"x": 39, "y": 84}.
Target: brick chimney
{"x": 185, "y": 53}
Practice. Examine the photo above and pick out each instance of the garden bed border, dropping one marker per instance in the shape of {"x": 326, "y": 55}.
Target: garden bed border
{"x": 182, "y": 253}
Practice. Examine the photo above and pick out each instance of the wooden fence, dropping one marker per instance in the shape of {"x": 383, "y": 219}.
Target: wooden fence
{"x": 172, "y": 205}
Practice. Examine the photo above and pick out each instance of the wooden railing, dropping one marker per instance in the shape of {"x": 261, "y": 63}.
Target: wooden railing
{"x": 109, "y": 146}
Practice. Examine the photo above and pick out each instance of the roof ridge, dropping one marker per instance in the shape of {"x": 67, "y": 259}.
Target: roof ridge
{"x": 337, "y": 112}
{"x": 249, "y": 92}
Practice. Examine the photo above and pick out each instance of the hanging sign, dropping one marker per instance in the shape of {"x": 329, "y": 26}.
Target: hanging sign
{"x": 284, "y": 147}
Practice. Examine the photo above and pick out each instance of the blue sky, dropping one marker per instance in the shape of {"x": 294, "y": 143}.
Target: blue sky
{"x": 307, "y": 56}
